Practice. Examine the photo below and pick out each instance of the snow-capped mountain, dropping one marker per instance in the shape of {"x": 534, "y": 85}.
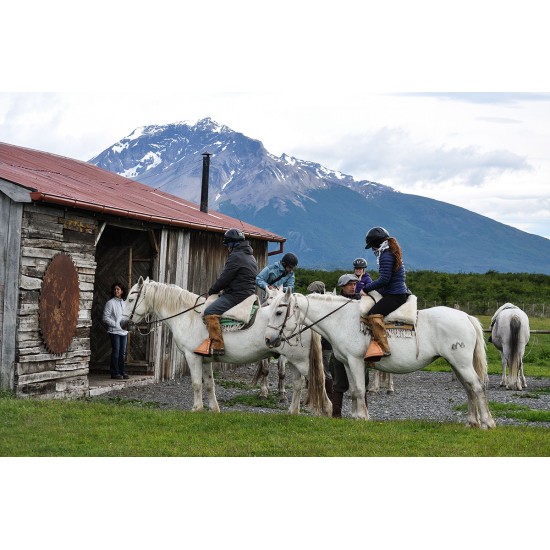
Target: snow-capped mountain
{"x": 324, "y": 214}
{"x": 241, "y": 170}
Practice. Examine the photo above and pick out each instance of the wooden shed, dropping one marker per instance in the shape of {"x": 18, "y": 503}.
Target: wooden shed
{"x": 65, "y": 224}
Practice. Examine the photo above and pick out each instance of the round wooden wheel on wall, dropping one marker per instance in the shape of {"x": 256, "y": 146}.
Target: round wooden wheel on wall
{"x": 59, "y": 304}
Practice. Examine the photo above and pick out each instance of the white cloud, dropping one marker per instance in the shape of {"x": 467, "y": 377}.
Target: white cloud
{"x": 391, "y": 154}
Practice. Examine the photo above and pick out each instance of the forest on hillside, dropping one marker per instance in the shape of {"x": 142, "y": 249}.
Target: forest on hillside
{"x": 475, "y": 293}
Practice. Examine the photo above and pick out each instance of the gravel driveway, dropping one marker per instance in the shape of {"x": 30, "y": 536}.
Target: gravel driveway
{"x": 420, "y": 395}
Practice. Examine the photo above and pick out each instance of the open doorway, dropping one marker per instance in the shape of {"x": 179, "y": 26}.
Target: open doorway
{"x": 123, "y": 255}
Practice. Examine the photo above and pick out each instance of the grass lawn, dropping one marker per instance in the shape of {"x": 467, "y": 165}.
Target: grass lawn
{"x": 92, "y": 429}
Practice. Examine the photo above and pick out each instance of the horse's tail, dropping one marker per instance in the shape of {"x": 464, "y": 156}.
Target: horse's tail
{"x": 514, "y": 359}
{"x": 316, "y": 376}
{"x": 480, "y": 351}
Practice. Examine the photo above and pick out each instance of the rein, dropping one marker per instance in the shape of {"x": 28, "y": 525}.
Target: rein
{"x": 306, "y": 327}
{"x": 154, "y": 324}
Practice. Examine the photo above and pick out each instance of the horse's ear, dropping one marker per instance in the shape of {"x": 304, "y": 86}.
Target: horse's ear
{"x": 140, "y": 280}
{"x": 147, "y": 280}
{"x": 288, "y": 293}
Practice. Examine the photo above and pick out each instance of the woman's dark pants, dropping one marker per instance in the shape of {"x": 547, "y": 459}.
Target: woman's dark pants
{"x": 118, "y": 353}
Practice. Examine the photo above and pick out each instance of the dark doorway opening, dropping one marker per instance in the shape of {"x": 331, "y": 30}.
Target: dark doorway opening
{"x": 122, "y": 255}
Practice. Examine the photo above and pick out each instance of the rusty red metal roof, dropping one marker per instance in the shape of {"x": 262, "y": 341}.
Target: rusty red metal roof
{"x": 68, "y": 182}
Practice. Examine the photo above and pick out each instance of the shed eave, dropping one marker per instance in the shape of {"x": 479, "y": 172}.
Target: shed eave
{"x": 38, "y": 196}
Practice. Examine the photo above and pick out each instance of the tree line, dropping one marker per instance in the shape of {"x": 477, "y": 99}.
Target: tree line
{"x": 476, "y": 293}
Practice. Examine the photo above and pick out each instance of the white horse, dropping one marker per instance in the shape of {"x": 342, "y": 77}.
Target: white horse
{"x": 510, "y": 334}
{"x": 179, "y": 310}
{"x": 440, "y": 332}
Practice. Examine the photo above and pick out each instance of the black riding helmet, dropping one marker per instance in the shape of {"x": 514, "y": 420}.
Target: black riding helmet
{"x": 376, "y": 236}
{"x": 233, "y": 236}
{"x": 290, "y": 260}
{"x": 360, "y": 263}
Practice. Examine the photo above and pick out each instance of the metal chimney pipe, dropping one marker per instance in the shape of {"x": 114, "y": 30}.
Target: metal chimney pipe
{"x": 205, "y": 176}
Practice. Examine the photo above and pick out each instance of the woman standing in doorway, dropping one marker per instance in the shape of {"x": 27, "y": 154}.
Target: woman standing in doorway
{"x": 112, "y": 315}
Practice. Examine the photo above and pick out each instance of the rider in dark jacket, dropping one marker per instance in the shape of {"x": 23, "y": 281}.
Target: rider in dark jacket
{"x": 237, "y": 281}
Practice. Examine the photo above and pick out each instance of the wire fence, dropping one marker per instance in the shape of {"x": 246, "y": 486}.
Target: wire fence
{"x": 489, "y": 308}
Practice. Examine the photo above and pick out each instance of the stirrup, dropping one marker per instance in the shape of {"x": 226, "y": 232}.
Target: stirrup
{"x": 374, "y": 352}
{"x": 220, "y": 351}
{"x": 205, "y": 349}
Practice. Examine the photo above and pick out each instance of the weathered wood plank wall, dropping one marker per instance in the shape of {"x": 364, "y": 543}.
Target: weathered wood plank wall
{"x": 45, "y": 232}
{"x": 10, "y": 230}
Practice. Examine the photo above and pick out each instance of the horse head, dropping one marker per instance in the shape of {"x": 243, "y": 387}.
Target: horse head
{"x": 135, "y": 308}
{"x": 282, "y": 305}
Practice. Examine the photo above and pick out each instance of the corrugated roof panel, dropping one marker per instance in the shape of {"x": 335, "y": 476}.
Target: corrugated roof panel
{"x": 61, "y": 180}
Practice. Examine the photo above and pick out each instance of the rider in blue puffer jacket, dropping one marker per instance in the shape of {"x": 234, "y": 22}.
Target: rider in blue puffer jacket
{"x": 280, "y": 273}
{"x": 391, "y": 285}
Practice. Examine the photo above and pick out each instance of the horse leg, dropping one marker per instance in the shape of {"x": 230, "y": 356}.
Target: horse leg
{"x": 298, "y": 382}
{"x": 389, "y": 385}
{"x": 281, "y": 365}
{"x": 374, "y": 386}
{"x": 261, "y": 377}
{"x": 521, "y": 375}
{"x": 479, "y": 415}
{"x": 208, "y": 380}
{"x": 503, "y": 380}
{"x": 195, "y": 367}
{"x": 356, "y": 378}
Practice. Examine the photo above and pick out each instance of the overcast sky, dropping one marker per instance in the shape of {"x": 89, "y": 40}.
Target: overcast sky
{"x": 487, "y": 152}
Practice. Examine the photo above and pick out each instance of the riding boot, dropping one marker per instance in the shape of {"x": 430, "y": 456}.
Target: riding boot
{"x": 378, "y": 346}
{"x": 337, "y": 399}
{"x": 215, "y": 333}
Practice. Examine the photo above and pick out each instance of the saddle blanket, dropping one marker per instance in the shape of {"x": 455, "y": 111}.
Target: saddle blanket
{"x": 240, "y": 315}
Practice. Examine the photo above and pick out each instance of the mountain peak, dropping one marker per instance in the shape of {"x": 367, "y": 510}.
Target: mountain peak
{"x": 209, "y": 124}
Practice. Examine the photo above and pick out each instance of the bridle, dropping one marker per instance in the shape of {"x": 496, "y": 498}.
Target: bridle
{"x": 305, "y": 327}
{"x": 153, "y": 325}
{"x": 282, "y": 327}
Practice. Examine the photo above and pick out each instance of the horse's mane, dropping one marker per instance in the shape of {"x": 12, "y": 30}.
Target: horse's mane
{"x": 327, "y": 297}
{"x": 174, "y": 297}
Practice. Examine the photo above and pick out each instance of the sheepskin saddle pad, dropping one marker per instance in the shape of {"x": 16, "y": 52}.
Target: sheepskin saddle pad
{"x": 238, "y": 317}
{"x": 404, "y": 317}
